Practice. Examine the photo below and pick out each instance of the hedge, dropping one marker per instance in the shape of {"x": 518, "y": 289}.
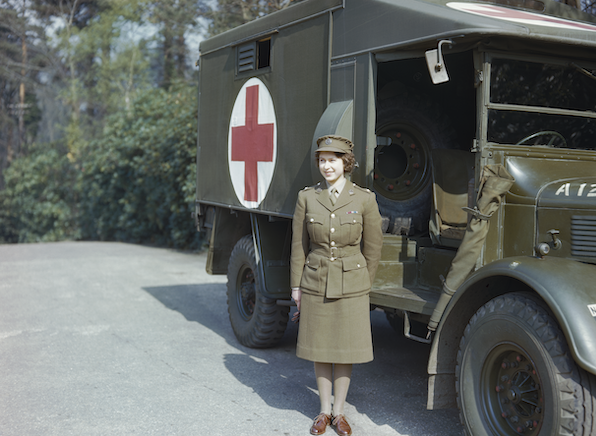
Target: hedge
{"x": 136, "y": 183}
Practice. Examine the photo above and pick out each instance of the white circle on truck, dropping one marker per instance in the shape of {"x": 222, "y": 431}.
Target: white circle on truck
{"x": 252, "y": 143}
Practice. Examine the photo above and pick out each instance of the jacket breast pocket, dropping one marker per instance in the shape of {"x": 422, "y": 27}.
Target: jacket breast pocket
{"x": 351, "y": 228}
{"x": 315, "y": 224}
{"x": 311, "y": 275}
{"x": 355, "y": 275}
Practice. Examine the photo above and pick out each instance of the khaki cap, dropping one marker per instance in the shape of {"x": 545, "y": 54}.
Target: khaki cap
{"x": 334, "y": 143}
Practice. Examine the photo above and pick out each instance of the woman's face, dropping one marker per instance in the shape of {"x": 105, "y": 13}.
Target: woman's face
{"x": 331, "y": 166}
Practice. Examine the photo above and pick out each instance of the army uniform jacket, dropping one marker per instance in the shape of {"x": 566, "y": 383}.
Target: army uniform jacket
{"x": 335, "y": 248}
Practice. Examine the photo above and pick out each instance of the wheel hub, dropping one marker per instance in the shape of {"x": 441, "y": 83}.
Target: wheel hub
{"x": 401, "y": 162}
{"x": 247, "y": 294}
{"x": 517, "y": 397}
{"x": 514, "y": 395}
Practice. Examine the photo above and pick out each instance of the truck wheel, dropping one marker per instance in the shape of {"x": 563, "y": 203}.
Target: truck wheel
{"x": 408, "y": 127}
{"x": 515, "y": 375}
{"x": 257, "y": 321}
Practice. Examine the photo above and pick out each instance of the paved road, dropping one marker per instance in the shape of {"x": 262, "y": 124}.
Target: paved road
{"x": 120, "y": 339}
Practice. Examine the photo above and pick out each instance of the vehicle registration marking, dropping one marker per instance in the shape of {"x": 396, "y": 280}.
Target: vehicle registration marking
{"x": 592, "y": 308}
{"x": 565, "y": 190}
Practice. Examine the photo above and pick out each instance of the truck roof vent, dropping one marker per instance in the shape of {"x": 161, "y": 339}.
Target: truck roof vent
{"x": 254, "y": 55}
{"x": 246, "y": 57}
{"x": 583, "y": 236}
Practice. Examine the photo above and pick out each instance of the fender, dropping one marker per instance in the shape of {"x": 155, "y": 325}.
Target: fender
{"x": 567, "y": 287}
{"x": 272, "y": 237}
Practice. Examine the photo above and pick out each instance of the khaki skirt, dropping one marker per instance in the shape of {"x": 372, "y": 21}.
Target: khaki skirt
{"x": 334, "y": 330}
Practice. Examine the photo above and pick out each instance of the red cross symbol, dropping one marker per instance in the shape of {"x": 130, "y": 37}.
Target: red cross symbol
{"x": 252, "y": 143}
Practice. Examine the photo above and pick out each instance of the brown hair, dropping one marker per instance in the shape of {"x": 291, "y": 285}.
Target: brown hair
{"x": 348, "y": 159}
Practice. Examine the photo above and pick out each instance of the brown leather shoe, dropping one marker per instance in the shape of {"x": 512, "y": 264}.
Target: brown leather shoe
{"x": 341, "y": 426}
{"x": 320, "y": 425}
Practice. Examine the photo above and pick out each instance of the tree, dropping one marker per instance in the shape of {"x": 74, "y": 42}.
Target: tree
{"x": 174, "y": 19}
{"x": 589, "y": 6}
{"x": 39, "y": 201}
{"x": 134, "y": 183}
{"x": 138, "y": 179}
{"x": 22, "y": 56}
{"x": 228, "y": 14}
{"x": 99, "y": 62}
{"x": 584, "y": 5}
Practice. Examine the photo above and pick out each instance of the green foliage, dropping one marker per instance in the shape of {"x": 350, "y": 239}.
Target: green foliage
{"x": 138, "y": 179}
{"x": 175, "y": 20}
{"x": 38, "y": 203}
{"x": 136, "y": 183}
{"x": 227, "y": 14}
{"x": 103, "y": 64}
{"x": 22, "y": 51}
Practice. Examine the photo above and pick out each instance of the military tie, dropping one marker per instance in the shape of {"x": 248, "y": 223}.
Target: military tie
{"x": 332, "y": 196}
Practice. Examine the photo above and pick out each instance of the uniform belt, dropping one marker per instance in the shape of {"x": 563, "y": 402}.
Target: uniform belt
{"x": 333, "y": 253}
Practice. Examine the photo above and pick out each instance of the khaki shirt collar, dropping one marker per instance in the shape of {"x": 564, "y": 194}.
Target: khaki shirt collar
{"x": 343, "y": 199}
{"x": 339, "y": 185}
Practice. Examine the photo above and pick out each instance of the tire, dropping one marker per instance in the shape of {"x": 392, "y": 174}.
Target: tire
{"x": 409, "y": 126}
{"x": 257, "y": 321}
{"x": 515, "y": 374}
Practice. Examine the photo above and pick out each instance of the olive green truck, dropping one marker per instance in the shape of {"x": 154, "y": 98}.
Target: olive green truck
{"x": 475, "y": 125}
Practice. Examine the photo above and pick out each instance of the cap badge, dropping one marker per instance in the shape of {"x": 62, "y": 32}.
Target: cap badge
{"x": 328, "y": 141}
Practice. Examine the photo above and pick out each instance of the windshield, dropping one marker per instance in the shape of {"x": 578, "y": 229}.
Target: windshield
{"x": 542, "y": 104}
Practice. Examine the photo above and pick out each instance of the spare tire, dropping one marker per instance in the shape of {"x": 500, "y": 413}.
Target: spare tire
{"x": 409, "y": 125}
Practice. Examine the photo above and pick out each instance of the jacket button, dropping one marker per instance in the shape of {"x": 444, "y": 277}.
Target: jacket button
{"x": 354, "y": 220}
{"x": 332, "y": 259}
{"x": 312, "y": 220}
{"x": 358, "y": 265}
{"x": 332, "y": 215}
{"x": 332, "y": 243}
{"x": 332, "y": 230}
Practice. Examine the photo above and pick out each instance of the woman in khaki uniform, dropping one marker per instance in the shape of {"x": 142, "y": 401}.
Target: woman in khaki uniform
{"x": 336, "y": 247}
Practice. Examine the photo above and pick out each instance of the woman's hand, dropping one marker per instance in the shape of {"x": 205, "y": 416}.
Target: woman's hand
{"x": 296, "y": 296}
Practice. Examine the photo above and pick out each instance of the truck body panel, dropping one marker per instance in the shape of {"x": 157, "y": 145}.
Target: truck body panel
{"x": 514, "y": 103}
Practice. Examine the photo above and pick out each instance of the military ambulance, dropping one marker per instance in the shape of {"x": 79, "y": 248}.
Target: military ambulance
{"x": 475, "y": 125}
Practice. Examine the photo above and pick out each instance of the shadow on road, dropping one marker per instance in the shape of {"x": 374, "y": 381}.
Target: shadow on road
{"x": 204, "y": 303}
{"x": 390, "y": 391}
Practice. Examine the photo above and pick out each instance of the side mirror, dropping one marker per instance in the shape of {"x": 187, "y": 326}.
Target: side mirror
{"x": 436, "y": 65}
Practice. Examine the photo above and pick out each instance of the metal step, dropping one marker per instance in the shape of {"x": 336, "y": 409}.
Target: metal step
{"x": 392, "y": 274}
{"x": 415, "y": 300}
{"x": 398, "y": 262}
{"x": 398, "y": 248}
